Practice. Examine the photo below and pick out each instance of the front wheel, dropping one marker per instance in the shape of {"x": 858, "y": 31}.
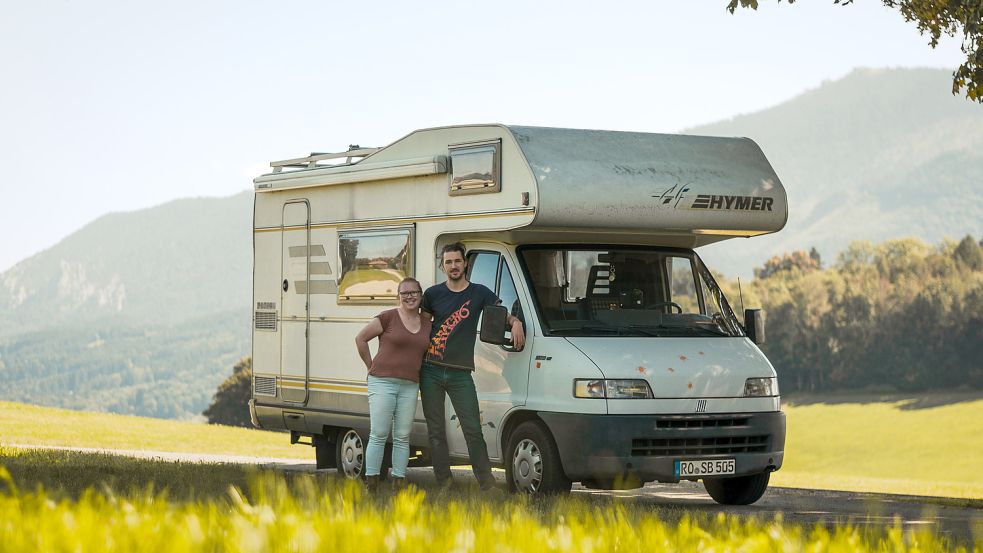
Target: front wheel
{"x": 740, "y": 490}
{"x": 533, "y": 461}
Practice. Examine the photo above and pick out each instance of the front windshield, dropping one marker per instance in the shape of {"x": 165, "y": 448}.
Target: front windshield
{"x": 627, "y": 292}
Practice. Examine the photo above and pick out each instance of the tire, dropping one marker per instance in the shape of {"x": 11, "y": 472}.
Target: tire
{"x": 349, "y": 455}
{"x": 533, "y": 462}
{"x": 740, "y": 490}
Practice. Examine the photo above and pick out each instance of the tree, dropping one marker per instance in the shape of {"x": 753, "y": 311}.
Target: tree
{"x": 935, "y": 17}
{"x": 229, "y": 404}
{"x": 797, "y": 260}
{"x": 970, "y": 253}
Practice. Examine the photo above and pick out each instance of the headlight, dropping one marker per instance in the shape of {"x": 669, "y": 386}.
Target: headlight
{"x": 612, "y": 389}
{"x": 761, "y": 387}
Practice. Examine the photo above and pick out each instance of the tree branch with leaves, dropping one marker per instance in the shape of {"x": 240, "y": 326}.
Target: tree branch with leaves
{"x": 935, "y": 17}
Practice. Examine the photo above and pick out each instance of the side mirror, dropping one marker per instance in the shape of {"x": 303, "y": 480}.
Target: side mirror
{"x": 754, "y": 325}
{"x": 493, "y": 319}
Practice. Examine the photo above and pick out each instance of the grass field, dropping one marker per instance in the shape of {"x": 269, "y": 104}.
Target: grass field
{"x": 226, "y": 507}
{"x": 886, "y": 446}
{"x": 31, "y": 424}
{"x": 847, "y": 443}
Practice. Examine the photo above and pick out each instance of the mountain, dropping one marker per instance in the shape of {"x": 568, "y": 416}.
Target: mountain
{"x": 879, "y": 154}
{"x": 184, "y": 259}
{"x": 142, "y": 312}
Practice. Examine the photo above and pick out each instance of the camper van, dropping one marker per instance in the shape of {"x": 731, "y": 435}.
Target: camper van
{"x": 636, "y": 367}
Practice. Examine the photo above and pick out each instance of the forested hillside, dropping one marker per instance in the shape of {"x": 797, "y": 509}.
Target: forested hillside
{"x": 900, "y": 315}
{"x": 149, "y": 369}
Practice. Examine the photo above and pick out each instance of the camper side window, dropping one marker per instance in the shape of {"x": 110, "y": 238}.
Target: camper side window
{"x": 372, "y": 264}
{"x": 476, "y": 168}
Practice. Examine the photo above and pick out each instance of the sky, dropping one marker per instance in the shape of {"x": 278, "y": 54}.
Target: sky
{"x": 115, "y": 106}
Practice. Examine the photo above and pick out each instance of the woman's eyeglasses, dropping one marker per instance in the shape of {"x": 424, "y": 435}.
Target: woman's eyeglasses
{"x": 411, "y": 294}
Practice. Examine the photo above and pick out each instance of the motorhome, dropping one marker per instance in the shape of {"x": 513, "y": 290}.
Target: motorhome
{"x": 636, "y": 367}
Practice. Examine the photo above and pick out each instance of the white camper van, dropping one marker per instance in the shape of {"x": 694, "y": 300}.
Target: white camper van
{"x": 635, "y": 368}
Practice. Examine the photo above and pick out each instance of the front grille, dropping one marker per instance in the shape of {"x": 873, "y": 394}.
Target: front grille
{"x": 265, "y": 385}
{"x": 646, "y": 447}
{"x": 689, "y": 422}
{"x": 266, "y": 320}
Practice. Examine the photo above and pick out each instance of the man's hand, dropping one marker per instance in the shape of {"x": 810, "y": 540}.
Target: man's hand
{"x": 518, "y": 335}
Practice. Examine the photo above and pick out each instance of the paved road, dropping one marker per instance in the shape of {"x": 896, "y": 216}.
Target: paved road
{"x": 961, "y": 520}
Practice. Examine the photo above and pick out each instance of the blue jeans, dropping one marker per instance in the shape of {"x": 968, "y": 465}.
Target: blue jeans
{"x": 458, "y": 384}
{"x": 392, "y": 405}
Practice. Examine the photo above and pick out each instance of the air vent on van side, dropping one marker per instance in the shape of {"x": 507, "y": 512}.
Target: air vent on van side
{"x": 266, "y": 320}
{"x": 265, "y": 385}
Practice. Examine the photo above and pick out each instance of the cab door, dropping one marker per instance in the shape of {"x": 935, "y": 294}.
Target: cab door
{"x": 501, "y": 374}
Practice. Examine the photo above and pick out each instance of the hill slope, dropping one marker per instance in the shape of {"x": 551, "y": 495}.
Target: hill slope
{"x": 140, "y": 313}
{"x": 180, "y": 260}
{"x": 878, "y": 154}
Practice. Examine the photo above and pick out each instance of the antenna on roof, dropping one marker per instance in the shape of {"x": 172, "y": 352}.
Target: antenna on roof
{"x": 741, "y": 292}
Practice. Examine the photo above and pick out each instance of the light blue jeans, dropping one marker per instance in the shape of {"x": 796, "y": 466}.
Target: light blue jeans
{"x": 392, "y": 405}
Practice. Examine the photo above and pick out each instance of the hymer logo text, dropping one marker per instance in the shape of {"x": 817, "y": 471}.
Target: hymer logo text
{"x": 748, "y": 203}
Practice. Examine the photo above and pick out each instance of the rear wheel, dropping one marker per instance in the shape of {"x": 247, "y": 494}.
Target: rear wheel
{"x": 533, "y": 462}
{"x": 740, "y": 490}
{"x": 350, "y": 454}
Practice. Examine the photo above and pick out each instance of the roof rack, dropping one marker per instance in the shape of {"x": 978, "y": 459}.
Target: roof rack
{"x": 310, "y": 162}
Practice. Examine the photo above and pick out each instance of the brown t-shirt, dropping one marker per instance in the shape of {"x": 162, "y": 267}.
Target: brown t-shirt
{"x": 400, "y": 351}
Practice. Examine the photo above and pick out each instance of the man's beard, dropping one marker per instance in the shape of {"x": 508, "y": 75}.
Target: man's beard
{"x": 460, "y": 276}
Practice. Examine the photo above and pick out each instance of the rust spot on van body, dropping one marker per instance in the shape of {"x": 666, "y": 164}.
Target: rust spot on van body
{"x": 683, "y": 358}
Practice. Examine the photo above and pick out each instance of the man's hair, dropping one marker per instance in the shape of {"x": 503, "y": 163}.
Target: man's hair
{"x": 409, "y": 279}
{"x": 455, "y": 247}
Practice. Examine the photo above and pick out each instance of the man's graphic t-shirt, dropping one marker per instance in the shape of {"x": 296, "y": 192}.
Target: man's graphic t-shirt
{"x": 455, "y": 323}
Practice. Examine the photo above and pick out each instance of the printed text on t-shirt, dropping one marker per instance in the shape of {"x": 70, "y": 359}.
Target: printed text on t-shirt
{"x": 439, "y": 342}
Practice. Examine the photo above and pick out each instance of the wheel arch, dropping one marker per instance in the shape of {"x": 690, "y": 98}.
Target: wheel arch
{"x": 512, "y": 420}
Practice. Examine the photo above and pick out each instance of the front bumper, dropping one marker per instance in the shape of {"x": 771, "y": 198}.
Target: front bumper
{"x": 646, "y": 447}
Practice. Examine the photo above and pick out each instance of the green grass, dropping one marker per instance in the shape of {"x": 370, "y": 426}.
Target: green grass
{"x": 35, "y": 425}
{"x": 200, "y": 508}
{"x": 878, "y": 446}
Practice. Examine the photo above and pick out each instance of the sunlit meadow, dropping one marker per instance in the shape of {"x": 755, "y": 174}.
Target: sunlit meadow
{"x": 275, "y": 512}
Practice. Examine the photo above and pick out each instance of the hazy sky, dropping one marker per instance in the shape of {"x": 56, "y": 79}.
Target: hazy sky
{"x": 115, "y": 106}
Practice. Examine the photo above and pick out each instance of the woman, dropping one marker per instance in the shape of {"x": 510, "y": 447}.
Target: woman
{"x": 394, "y": 377}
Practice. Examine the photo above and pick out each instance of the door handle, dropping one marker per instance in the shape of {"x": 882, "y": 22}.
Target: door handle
{"x": 286, "y": 285}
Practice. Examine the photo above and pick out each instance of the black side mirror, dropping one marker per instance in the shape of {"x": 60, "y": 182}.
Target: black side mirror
{"x": 754, "y": 325}
{"x": 493, "y": 319}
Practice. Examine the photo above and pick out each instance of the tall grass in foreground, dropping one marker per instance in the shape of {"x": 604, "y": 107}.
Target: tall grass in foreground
{"x": 305, "y": 513}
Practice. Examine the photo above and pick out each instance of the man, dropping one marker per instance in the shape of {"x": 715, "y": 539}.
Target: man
{"x": 455, "y": 306}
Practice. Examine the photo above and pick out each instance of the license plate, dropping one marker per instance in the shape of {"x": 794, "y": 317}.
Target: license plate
{"x": 712, "y": 467}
